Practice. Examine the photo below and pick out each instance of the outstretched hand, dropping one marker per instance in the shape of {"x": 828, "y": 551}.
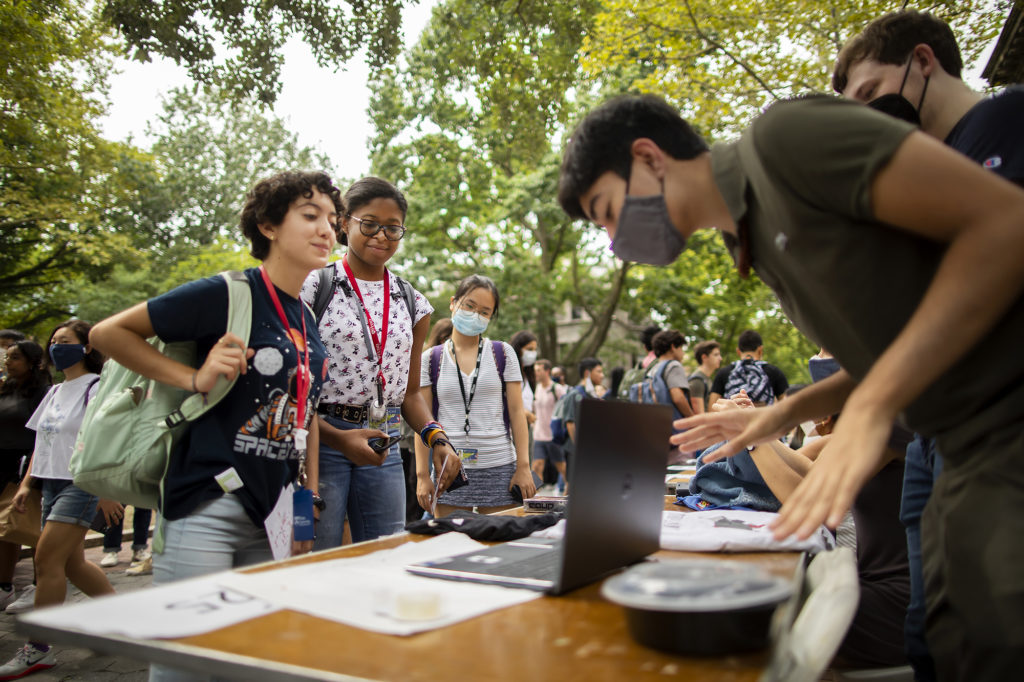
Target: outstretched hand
{"x": 741, "y": 428}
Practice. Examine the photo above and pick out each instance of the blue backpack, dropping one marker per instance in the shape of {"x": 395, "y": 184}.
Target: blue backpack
{"x": 654, "y": 390}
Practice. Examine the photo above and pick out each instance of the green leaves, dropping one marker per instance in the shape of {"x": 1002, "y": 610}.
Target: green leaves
{"x": 236, "y": 44}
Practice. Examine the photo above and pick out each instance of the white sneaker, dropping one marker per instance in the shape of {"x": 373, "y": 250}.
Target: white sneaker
{"x": 26, "y": 601}
{"x": 28, "y": 660}
{"x": 140, "y": 555}
{"x": 144, "y": 567}
{"x": 6, "y": 598}
{"x": 109, "y": 558}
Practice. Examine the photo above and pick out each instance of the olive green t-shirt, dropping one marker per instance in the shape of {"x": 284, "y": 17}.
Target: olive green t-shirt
{"x": 846, "y": 280}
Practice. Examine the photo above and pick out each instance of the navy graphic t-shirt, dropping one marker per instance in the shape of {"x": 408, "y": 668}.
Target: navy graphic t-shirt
{"x": 250, "y": 430}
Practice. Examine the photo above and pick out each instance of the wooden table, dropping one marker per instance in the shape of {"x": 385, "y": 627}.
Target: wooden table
{"x": 578, "y": 636}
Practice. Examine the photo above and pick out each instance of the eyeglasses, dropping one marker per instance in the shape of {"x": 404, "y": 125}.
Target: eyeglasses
{"x": 370, "y": 228}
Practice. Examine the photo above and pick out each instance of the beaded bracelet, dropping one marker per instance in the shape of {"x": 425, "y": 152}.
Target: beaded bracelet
{"x": 430, "y": 432}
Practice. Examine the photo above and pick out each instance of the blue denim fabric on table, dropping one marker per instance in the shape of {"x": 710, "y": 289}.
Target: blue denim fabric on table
{"x": 922, "y": 466}
{"x": 65, "y": 502}
{"x": 372, "y": 497}
{"x": 732, "y": 482}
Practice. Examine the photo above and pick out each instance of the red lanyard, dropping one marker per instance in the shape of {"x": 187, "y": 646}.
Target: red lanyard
{"x": 378, "y": 341}
{"x": 302, "y": 355}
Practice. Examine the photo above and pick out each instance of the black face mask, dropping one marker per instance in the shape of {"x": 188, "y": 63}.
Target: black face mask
{"x": 898, "y": 106}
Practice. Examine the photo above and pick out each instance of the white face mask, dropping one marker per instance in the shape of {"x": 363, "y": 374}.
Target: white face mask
{"x": 529, "y": 357}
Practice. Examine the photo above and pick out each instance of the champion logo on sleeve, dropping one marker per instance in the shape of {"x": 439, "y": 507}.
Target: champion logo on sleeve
{"x": 993, "y": 162}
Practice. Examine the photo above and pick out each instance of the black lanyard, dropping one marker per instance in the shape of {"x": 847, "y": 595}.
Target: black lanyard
{"x": 476, "y": 375}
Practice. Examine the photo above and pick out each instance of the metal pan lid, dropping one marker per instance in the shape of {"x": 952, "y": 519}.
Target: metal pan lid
{"x": 701, "y": 585}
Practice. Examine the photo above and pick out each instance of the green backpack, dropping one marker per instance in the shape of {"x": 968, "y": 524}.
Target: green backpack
{"x": 132, "y": 423}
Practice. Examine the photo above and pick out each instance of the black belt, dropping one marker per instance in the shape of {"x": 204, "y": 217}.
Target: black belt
{"x": 349, "y": 413}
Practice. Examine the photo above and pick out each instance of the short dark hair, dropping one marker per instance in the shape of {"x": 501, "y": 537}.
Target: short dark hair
{"x": 603, "y": 139}
{"x": 365, "y": 190}
{"x": 473, "y": 282}
{"x": 80, "y": 328}
{"x": 749, "y": 341}
{"x": 647, "y": 335}
{"x": 270, "y": 198}
{"x": 704, "y": 348}
{"x": 665, "y": 341}
{"x": 891, "y": 38}
{"x": 12, "y": 334}
{"x": 546, "y": 364}
{"x": 587, "y": 364}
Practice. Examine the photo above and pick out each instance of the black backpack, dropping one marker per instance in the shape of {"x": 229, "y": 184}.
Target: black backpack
{"x": 750, "y": 376}
{"x": 329, "y": 282}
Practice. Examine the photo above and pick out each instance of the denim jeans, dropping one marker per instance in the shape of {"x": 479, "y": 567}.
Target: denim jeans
{"x": 372, "y": 497}
{"x": 140, "y": 531}
{"x": 217, "y": 536}
{"x": 923, "y": 465}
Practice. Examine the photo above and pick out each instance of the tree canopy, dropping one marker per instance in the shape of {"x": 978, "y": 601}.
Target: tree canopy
{"x": 236, "y": 44}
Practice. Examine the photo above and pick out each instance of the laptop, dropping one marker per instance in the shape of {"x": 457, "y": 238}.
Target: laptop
{"x": 613, "y": 517}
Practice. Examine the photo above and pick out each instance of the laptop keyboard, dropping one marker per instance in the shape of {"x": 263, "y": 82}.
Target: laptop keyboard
{"x": 543, "y": 565}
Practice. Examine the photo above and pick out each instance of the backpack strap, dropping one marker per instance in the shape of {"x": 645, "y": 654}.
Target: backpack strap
{"x": 324, "y": 291}
{"x": 88, "y": 391}
{"x": 499, "y": 359}
{"x": 239, "y": 324}
{"x": 409, "y": 294}
{"x": 435, "y": 371}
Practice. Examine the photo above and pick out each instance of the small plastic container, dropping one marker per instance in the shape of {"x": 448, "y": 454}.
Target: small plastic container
{"x": 703, "y": 607}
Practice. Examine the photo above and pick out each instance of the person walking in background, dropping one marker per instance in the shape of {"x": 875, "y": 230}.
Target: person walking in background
{"x": 67, "y": 510}
{"x": 142, "y": 558}
{"x": 764, "y": 383}
{"x": 708, "y": 355}
{"x": 544, "y": 448}
{"x": 524, "y": 343}
{"x": 373, "y": 327}
{"x": 647, "y": 338}
{"x": 25, "y": 383}
{"x": 8, "y": 337}
{"x": 479, "y": 406}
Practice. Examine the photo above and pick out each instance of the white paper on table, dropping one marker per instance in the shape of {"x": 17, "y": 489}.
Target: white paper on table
{"x": 180, "y": 609}
{"x": 280, "y": 524}
{"x": 723, "y": 530}
{"x": 360, "y": 591}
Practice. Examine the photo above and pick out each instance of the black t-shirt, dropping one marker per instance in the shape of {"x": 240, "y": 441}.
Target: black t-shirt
{"x": 776, "y": 379}
{"x": 250, "y": 429}
{"x": 992, "y": 133}
{"x": 15, "y": 409}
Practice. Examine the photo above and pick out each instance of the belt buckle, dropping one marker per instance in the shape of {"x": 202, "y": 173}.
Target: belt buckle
{"x": 352, "y": 413}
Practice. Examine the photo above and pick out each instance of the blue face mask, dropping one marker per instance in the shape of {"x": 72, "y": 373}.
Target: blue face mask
{"x": 65, "y": 355}
{"x": 469, "y": 324}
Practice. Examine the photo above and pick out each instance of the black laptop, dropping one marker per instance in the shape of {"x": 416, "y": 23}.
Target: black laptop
{"x": 613, "y": 517}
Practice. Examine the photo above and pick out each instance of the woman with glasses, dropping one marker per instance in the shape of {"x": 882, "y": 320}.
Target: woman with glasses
{"x": 476, "y": 387}
{"x": 373, "y": 325}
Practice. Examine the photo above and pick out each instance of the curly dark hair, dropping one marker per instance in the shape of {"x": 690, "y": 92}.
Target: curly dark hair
{"x": 665, "y": 341}
{"x": 40, "y": 377}
{"x": 93, "y": 359}
{"x": 269, "y": 200}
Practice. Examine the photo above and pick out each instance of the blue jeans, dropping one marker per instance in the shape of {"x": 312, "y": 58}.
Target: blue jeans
{"x": 923, "y": 465}
{"x": 217, "y": 536}
{"x": 372, "y": 497}
{"x": 140, "y": 532}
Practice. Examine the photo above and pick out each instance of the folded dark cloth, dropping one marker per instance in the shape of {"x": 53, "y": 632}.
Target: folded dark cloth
{"x": 485, "y": 527}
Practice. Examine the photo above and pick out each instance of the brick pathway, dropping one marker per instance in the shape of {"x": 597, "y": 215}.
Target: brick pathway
{"x": 81, "y": 664}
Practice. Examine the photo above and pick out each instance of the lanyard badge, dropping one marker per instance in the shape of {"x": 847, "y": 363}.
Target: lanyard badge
{"x": 468, "y": 401}
{"x": 302, "y": 376}
{"x": 377, "y": 410}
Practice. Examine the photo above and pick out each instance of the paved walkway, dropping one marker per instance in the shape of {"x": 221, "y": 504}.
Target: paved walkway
{"x": 80, "y": 664}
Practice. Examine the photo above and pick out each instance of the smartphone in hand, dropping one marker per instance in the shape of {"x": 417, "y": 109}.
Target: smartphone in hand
{"x": 382, "y": 444}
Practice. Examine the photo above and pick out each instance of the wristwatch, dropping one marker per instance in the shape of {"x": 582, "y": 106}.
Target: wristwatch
{"x": 318, "y": 502}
